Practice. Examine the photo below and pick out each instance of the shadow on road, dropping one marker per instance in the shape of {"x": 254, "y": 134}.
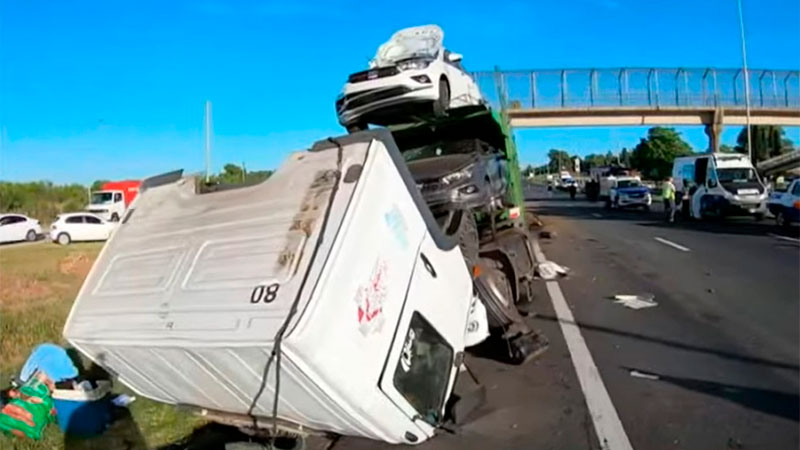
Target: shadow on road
{"x": 681, "y": 345}
{"x": 774, "y": 403}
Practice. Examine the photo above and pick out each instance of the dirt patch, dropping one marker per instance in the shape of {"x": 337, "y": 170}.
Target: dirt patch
{"x": 15, "y": 290}
{"x": 76, "y": 263}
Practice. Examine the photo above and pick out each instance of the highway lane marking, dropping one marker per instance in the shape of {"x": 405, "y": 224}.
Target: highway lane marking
{"x": 671, "y": 244}
{"x": 606, "y": 421}
{"x": 785, "y": 238}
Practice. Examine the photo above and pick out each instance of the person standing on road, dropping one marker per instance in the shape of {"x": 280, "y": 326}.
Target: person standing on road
{"x": 668, "y": 193}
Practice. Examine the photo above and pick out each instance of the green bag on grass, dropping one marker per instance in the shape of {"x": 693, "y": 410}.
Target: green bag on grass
{"x": 31, "y": 409}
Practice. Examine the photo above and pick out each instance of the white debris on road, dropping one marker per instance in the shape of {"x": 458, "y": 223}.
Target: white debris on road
{"x": 638, "y": 301}
{"x": 548, "y": 270}
{"x": 646, "y": 376}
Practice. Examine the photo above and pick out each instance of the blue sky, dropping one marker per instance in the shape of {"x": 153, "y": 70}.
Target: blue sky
{"x": 111, "y": 89}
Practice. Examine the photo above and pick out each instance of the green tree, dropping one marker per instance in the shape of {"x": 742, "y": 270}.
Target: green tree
{"x": 625, "y": 157}
{"x": 559, "y": 160}
{"x": 725, "y": 148}
{"x": 653, "y": 156}
{"x": 768, "y": 141}
{"x": 98, "y": 185}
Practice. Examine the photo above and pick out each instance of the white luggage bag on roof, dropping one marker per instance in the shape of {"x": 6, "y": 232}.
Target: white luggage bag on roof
{"x": 336, "y": 251}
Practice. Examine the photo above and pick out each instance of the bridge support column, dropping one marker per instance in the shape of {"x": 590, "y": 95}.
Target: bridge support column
{"x": 714, "y": 130}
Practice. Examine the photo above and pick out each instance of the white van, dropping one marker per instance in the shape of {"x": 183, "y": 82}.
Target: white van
{"x": 335, "y": 264}
{"x": 718, "y": 185}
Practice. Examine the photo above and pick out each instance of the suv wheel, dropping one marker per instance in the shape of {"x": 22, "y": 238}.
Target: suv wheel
{"x": 441, "y": 105}
{"x": 115, "y": 217}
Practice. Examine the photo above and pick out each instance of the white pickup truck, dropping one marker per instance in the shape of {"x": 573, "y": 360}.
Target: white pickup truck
{"x": 325, "y": 298}
{"x": 785, "y": 206}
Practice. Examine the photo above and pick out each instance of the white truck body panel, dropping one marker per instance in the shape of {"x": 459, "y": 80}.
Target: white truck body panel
{"x": 185, "y": 300}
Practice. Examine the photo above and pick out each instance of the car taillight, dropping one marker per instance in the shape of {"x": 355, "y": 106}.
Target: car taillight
{"x": 796, "y": 204}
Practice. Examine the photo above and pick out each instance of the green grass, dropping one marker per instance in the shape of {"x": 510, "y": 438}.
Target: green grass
{"x": 38, "y": 284}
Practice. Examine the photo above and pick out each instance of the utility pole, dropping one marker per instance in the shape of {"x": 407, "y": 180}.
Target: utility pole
{"x": 746, "y": 83}
{"x": 208, "y": 127}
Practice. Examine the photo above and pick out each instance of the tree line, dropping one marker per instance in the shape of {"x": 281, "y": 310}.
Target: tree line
{"x": 44, "y": 200}
{"x": 654, "y": 154}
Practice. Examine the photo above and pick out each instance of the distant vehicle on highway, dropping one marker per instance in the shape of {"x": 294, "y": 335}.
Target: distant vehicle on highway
{"x": 17, "y": 227}
{"x": 113, "y": 199}
{"x": 719, "y": 185}
{"x": 411, "y": 75}
{"x": 785, "y": 206}
{"x": 80, "y": 226}
{"x": 627, "y": 192}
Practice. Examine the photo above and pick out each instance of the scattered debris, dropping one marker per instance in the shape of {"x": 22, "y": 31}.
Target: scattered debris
{"x": 123, "y": 400}
{"x": 52, "y": 361}
{"x": 637, "y": 301}
{"x": 548, "y": 270}
{"x": 547, "y": 234}
{"x": 646, "y": 376}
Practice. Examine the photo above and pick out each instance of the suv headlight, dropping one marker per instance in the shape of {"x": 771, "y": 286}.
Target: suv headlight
{"x": 413, "y": 64}
{"x": 455, "y": 177}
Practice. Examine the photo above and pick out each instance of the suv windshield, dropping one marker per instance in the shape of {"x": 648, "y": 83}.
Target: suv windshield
{"x": 423, "y": 371}
{"x": 628, "y": 183}
{"x": 440, "y": 148}
{"x": 101, "y": 197}
{"x": 416, "y": 42}
{"x": 737, "y": 175}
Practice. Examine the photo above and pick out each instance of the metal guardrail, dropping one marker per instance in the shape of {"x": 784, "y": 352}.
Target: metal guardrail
{"x": 639, "y": 87}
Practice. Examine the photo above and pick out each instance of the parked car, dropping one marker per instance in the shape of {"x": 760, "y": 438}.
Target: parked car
{"x": 16, "y": 227}
{"x": 628, "y": 192}
{"x": 80, "y": 227}
{"x": 411, "y": 75}
{"x": 785, "y": 206}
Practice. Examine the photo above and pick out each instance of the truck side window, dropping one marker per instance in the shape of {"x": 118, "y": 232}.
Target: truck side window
{"x": 117, "y": 197}
{"x": 423, "y": 371}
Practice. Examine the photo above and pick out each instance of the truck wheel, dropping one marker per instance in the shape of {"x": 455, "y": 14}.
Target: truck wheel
{"x": 441, "y": 105}
{"x": 64, "y": 239}
{"x": 31, "y": 236}
{"x": 115, "y": 217}
{"x": 463, "y": 228}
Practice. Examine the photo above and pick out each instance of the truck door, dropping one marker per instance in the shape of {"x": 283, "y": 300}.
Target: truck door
{"x": 421, "y": 366}
{"x": 700, "y": 171}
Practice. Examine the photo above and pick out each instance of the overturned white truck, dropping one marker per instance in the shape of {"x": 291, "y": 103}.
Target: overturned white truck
{"x": 325, "y": 298}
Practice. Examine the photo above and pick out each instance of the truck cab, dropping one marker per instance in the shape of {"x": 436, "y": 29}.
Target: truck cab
{"x": 111, "y": 202}
{"x": 719, "y": 185}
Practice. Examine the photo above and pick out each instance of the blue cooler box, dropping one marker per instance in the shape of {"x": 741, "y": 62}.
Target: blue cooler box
{"x": 83, "y": 413}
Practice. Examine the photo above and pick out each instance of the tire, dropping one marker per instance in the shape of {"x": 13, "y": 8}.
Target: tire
{"x": 30, "y": 236}
{"x": 758, "y": 217}
{"x": 780, "y": 220}
{"x": 464, "y": 229}
{"x": 63, "y": 239}
{"x": 646, "y": 208}
{"x": 356, "y": 127}
{"x": 499, "y": 304}
{"x": 115, "y": 217}
{"x": 608, "y": 203}
{"x": 441, "y": 105}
